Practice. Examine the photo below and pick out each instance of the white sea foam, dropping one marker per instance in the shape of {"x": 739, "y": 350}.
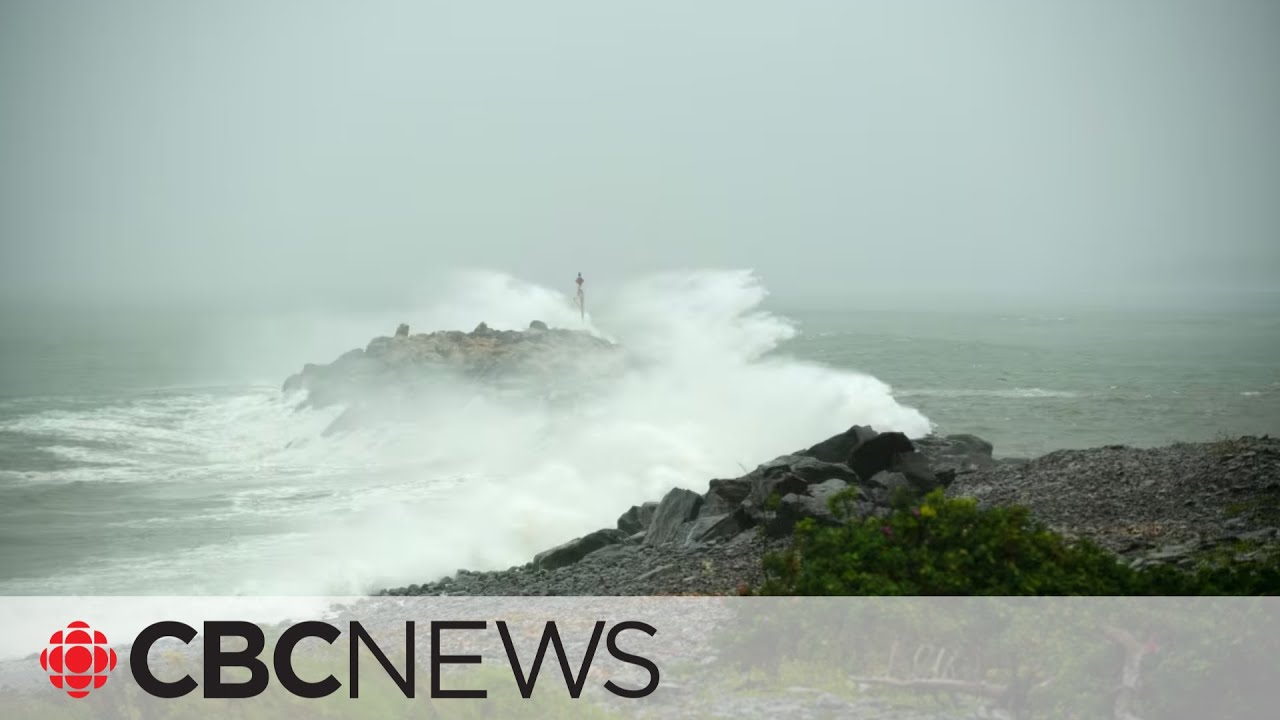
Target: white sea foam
{"x": 1011, "y": 393}
{"x": 470, "y": 480}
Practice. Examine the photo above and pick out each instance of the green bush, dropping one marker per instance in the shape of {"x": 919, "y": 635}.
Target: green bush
{"x": 940, "y": 546}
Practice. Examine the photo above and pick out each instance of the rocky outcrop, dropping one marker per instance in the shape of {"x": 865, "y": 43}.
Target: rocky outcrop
{"x": 839, "y": 447}
{"x": 778, "y": 494}
{"x": 677, "y": 508}
{"x": 958, "y": 454}
{"x": 1170, "y": 505}
{"x": 713, "y": 541}
{"x": 637, "y": 519}
{"x": 392, "y": 373}
{"x": 578, "y": 548}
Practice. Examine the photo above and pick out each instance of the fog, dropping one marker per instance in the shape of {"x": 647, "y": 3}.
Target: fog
{"x": 293, "y": 154}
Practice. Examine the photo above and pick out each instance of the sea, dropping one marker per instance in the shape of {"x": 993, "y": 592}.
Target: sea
{"x": 151, "y": 451}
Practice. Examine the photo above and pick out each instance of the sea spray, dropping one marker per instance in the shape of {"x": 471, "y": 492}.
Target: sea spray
{"x": 216, "y": 493}
{"x": 701, "y": 397}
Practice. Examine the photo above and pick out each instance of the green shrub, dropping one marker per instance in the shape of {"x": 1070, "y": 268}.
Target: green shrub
{"x": 940, "y": 546}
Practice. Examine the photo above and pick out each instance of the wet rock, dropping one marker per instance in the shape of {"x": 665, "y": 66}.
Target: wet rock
{"x": 576, "y": 549}
{"x": 710, "y": 528}
{"x": 637, "y": 518}
{"x": 394, "y": 375}
{"x": 678, "y": 507}
{"x": 959, "y": 453}
{"x": 823, "y": 491}
{"x": 725, "y": 496}
{"x": 814, "y": 503}
{"x": 878, "y": 454}
{"x": 838, "y": 448}
{"x": 793, "y": 474}
{"x": 537, "y": 325}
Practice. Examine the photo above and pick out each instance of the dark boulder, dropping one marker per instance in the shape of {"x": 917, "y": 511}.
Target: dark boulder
{"x": 637, "y": 519}
{"x": 537, "y": 325}
{"x": 792, "y": 509}
{"x": 816, "y": 471}
{"x": 916, "y": 468}
{"x": 894, "y": 452}
{"x": 878, "y": 454}
{"x": 725, "y": 496}
{"x": 958, "y": 453}
{"x": 578, "y": 548}
{"x": 793, "y": 473}
{"x": 838, "y": 448}
{"x": 678, "y": 507}
{"x": 402, "y": 331}
{"x": 718, "y": 527}
{"x": 815, "y": 503}
{"x": 890, "y": 483}
{"x": 792, "y": 487}
{"x": 823, "y": 491}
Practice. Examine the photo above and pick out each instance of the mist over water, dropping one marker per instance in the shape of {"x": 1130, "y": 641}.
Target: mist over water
{"x": 229, "y": 490}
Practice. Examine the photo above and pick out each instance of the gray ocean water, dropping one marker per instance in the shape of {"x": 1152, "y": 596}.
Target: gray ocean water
{"x": 144, "y": 453}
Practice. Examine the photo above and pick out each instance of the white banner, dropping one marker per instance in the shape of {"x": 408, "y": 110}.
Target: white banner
{"x": 660, "y": 657}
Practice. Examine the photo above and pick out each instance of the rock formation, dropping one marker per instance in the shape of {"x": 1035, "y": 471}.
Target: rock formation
{"x": 404, "y": 368}
{"x": 1158, "y": 505}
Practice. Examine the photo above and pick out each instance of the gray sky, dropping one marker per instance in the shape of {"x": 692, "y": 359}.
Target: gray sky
{"x": 273, "y": 152}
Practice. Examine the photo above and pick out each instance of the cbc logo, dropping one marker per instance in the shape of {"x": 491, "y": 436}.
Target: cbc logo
{"x": 78, "y": 659}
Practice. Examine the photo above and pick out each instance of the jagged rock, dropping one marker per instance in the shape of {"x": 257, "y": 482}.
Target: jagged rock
{"x": 402, "y": 331}
{"x": 397, "y": 374}
{"x": 890, "y": 482}
{"x": 1129, "y": 499}
{"x": 823, "y": 491}
{"x": 637, "y": 519}
{"x": 792, "y": 509}
{"x": 915, "y": 467}
{"x": 879, "y": 453}
{"x": 894, "y": 452}
{"x": 537, "y": 325}
{"x": 578, "y": 548}
{"x": 960, "y": 453}
{"x": 725, "y": 496}
{"x": 678, "y": 507}
{"x": 814, "y": 471}
{"x": 838, "y": 448}
{"x": 793, "y": 473}
{"x": 814, "y": 503}
{"x": 707, "y": 528}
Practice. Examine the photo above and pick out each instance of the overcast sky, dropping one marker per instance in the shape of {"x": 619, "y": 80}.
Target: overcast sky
{"x": 273, "y": 152}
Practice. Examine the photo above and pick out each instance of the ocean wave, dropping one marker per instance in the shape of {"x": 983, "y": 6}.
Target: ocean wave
{"x": 262, "y": 501}
{"x": 1010, "y": 393}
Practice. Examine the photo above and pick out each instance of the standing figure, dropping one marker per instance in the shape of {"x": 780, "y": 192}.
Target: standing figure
{"x": 582, "y": 303}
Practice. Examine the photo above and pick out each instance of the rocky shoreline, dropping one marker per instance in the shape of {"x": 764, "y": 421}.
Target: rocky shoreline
{"x": 1173, "y": 504}
{"x": 1160, "y": 505}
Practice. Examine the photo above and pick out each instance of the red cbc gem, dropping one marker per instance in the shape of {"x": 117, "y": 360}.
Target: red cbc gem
{"x": 78, "y": 659}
